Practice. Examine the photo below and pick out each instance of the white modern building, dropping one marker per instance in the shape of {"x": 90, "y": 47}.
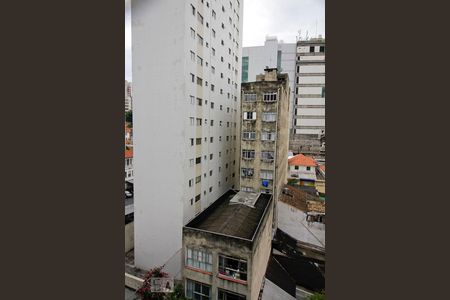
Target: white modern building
{"x": 186, "y": 107}
{"x": 309, "y": 108}
{"x": 273, "y": 54}
{"x": 128, "y": 98}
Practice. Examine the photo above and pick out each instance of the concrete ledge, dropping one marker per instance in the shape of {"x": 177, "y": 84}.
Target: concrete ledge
{"x": 133, "y": 282}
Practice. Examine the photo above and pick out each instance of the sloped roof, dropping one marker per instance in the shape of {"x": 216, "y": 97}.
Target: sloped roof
{"x": 302, "y": 160}
{"x": 129, "y": 153}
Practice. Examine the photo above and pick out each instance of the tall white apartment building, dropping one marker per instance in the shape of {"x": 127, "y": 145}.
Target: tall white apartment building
{"x": 186, "y": 93}
{"x": 309, "y": 108}
{"x": 273, "y": 54}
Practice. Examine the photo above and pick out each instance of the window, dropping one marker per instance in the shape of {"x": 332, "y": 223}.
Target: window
{"x": 225, "y": 295}
{"x": 213, "y": 51}
{"x": 269, "y": 116}
{"x": 200, "y": 39}
{"x": 266, "y": 174}
{"x": 192, "y": 142}
{"x": 270, "y": 97}
{"x": 249, "y": 135}
{"x": 191, "y": 182}
{"x": 198, "y": 160}
{"x": 192, "y": 201}
{"x": 199, "y": 101}
{"x": 192, "y": 56}
{"x": 212, "y": 87}
{"x": 267, "y": 156}
{"x": 228, "y": 110}
{"x": 210, "y": 189}
{"x": 212, "y": 105}
{"x": 323, "y": 92}
{"x": 198, "y": 141}
{"x": 213, "y": 33}
{"x": 199, "y": 60}
{"x": 192, "y": 78}
{"x": 322, "y": 49}
{"x": 192, "y": 119}
{"x": 211, "y": 156}
{"x": 192, "y": 98}
{"x": 210, "y": 172}
{"x": 248, "y": 154}
{"x": 311, "y": 49}
{"x": 249, "y": 97}
{"x": 200, "y": 18}
{"x": 199, "y": 122}
{"x": 213, "y": 13}
{"x": 193, "y": 10}
{"x": 308, "y": 168}
{"x": 246, "y": 172}
{"x": 197, "y": 198}
{"x": 192, "y": 33}
{"x": 247, "y": 189}
{"x": 268, "y": 136}
{"x": 198, "y": 179}
{"x": 220, "y": 123}
{"x": 199, "y": 81}
{"x": 223, "y": 8}
{"x": 211, "y": 139}
{"x": 233, "y": 267}
{"x": 197, "y": 290}
{"x": 221, "y": 107}
{"x": 200, "y": 259}
{"x": 213, "y": 70}
{"x": 250, "y": 115}
{"x": 212, "y": 124}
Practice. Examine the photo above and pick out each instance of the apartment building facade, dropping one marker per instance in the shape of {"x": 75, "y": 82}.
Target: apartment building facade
{"x": 227, "y": 247}
{"x": 309, "y": 108}
{"x": 273, "y": 54}
{"x": 265, "y": 134}
{"x": 186, "y": 91}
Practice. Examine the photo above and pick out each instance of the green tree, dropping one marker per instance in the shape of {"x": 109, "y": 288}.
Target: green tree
{"x": 317, "y": 296}
{"x": 129, "y": 116}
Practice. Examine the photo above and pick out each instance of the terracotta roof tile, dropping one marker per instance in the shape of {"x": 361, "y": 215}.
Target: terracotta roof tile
{"x": 302, "y": 160}
{"x": 128, "y": 153}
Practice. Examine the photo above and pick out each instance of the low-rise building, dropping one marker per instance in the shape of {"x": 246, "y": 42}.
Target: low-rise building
{"x": 226, "y": 248}
{"x": 303, "y": 168}
{"x": 129, "y": 165}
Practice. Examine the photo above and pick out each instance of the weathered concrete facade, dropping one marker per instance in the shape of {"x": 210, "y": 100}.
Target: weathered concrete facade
{"x": 255, "y": 251}
{"x": 266, "y": 169}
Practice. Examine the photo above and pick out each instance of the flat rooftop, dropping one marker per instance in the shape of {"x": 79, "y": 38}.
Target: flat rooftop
{"x": 234, "y": 214}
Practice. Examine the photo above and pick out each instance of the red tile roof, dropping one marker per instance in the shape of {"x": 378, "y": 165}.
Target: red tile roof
{"x": 301, "y": 160}
{"x": 128, "y": 153}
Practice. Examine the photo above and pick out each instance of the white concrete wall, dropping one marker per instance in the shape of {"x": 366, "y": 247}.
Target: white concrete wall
{"x": 311, "y": 101}
{"x": 302, "y": 172}
{"x": 312, "y": 69}
{"x": 129, "y": 236}
{"x": 312, "y": 79}
{"x": 162, "y": 88}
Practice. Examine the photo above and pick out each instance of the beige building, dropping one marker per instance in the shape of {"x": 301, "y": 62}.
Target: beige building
{"x": 265, "y": 136}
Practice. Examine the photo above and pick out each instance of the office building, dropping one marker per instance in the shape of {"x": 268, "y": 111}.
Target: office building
{"x": 128, "y": 97}
{"x": 186, "y": 93}
{"x": 309, "y": 108}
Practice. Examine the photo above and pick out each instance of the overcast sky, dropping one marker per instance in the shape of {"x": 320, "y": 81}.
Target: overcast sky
{"x": 283, "y": 18}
